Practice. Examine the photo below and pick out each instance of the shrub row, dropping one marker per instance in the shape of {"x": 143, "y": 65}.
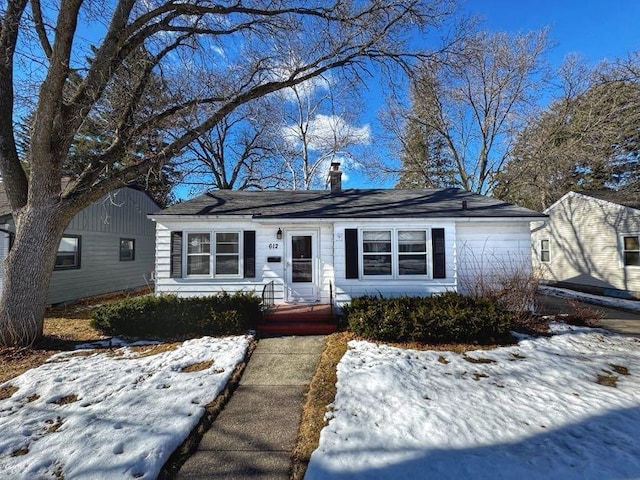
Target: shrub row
{"x": 170, "y": 316}
{"x": 448, "y": 317}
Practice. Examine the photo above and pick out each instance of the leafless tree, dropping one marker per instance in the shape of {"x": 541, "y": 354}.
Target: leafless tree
{"x": 467, "y": 105}
{"x": 317, "y": 127}
{"x": 588, "y": 138}
{"x": 237, "y": 51}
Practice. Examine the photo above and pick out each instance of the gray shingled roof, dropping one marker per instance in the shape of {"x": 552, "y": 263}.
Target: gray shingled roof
{"x": 355, "y": 203}
{"x": 625, "y": 198}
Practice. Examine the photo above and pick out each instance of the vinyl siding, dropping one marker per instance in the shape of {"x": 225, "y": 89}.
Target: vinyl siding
{"x": 265, "y": 271}
{"x": 487, "y": 244}
{"x": 487, "y": 249}
{"x": 123, "y": 214}
{"x": 585, "y": 236}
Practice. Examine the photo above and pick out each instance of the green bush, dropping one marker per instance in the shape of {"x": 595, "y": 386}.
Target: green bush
{"x": 170, "y": 316}
{"x": 448, "y": 317}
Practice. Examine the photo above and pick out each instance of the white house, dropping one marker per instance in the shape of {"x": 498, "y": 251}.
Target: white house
{"x": 591, "y": 242}
{"x": 107, "y": 247}
{"x": 329, "y": 246}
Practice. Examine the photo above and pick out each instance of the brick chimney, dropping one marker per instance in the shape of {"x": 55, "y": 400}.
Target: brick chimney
{"x": 335, "y": 177}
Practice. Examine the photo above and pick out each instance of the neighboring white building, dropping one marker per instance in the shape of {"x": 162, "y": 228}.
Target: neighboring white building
{"x": 107, "y": 247}
{"x": 329, "y": 246}
{"x": 591, "y": 242}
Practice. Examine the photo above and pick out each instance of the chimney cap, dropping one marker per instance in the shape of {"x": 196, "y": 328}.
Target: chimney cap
{"x": 335, "y": 166}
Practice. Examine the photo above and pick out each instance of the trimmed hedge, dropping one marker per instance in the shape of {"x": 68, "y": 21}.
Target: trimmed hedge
{"x": 170, "y": 316}
{"x": 444, "y": 318}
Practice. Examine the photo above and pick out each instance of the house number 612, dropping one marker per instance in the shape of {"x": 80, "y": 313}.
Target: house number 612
{"x": 274, "y": 246}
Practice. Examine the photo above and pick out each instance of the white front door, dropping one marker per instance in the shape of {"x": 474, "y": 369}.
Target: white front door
{"x": 301, "y": 266}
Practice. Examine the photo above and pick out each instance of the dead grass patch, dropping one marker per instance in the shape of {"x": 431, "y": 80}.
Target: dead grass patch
{"x": 197, "y": 367}
{"x": 443, "y": 360}
{"x": 20, "y": 451}
{"x": 477, "y": 376}
{"x": 64, "y": 328}
{"x": 322, "y": 392}
{"x": 607, "y": 380}
{"x": 67, "y": 399}
{"x": 619, "y": 369}
{"x": 478, "y": 360}
{"x": 54, "y": 425}
{"x": 33, "y": 398}
{"x": 6, "y": 392}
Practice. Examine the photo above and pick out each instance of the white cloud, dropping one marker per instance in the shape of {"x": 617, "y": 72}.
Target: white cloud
{"x": 326, "y": 133}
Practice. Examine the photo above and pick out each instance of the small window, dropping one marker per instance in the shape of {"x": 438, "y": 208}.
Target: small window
{"x": 68, "y": 256}
{"x": 631, "y": 252}
{"x": 198, "y": 254}
{"x": 412, "y": 252}
{"x": 545, "y": 252}
{"x": 127, "y": 249}
{"x": 376, "y": 252}
{"x": 227, "y": 253}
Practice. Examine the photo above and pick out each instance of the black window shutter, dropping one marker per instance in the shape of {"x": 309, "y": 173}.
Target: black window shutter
{"x": 249, "y": 254}
{"x": 351, "y": 252}
{"x": 438, "y": 247}
{"x": 175, "y": 270}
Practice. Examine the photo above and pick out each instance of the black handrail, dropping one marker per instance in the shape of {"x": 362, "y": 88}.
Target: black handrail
{"x": 268, "y": 295}
{"x": 331, "y": 297}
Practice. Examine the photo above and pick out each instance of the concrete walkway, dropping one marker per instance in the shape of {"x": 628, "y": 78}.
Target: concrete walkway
{"x": 255, "y": 433}
{"x": 613, "y": 319}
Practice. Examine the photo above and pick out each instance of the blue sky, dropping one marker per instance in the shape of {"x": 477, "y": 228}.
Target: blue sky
{"x": 595, "y": 29}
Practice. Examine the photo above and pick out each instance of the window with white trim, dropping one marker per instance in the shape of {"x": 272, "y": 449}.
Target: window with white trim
{"x": 412, "y": 252}
{"x": 376, "y": 252}
{"x": 227, "y": 253}
{"x": 68, "y": 256}
{"x": 394, "y": 253}
{"x": 545, "y": 250}
{"x": 198, "y": 254}
{"x": 631, "y": 250}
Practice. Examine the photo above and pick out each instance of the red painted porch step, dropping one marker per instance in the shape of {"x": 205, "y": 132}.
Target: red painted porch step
{"x": 297, "y": 328}
{"x": 292, "y": 319}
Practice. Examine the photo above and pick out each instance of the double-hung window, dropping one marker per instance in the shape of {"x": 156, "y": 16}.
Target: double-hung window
{"x": 68, "y": 256}
{"x": 631, "y": 250}
{"x": 394, "y": 253}
{"x": 227, "y": 253}
{"x": 376, "y": 252}
{"x": 412, "y": 252}
{"x": 198, "y": 254}
{"x": 213, "y": 254}
{"x": 545, "y": 250}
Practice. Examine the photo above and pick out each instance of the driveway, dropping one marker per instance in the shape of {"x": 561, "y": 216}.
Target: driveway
{"x": 619, "y": 321}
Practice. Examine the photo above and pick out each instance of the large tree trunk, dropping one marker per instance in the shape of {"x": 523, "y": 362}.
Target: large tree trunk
{"x": 27, "y": 273}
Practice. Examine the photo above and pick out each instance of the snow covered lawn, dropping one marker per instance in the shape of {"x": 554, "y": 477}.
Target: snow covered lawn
{"x": 88, "y": 415}
{"x": 534, "y": 410}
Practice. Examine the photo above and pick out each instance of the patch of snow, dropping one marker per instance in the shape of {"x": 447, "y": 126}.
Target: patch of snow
{"x": 590, "y": 298}
{"x": 93, "y": 415}
{"x": 533, "y": 410}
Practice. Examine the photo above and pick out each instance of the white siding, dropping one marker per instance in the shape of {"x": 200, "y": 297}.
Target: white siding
{"x": 585, "y": 244}
{"x": 487, "y": 248}
{"x": 267, "y": 245}
{"x": 489, "y": 245}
